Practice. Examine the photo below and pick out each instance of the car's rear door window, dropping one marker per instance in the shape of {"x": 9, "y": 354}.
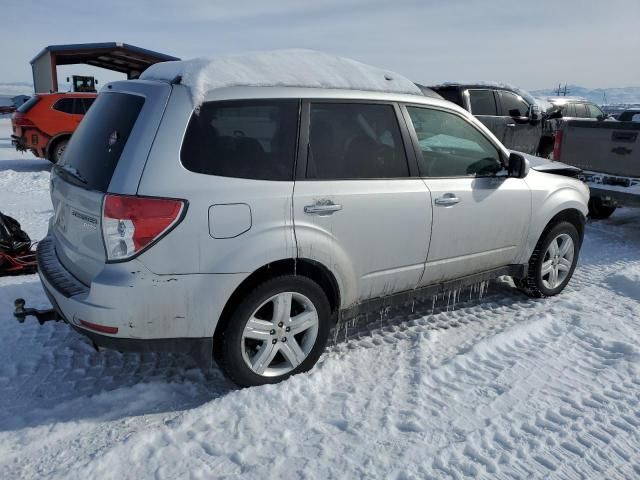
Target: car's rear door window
{"x": 483, "y": 102}
{"x": 95, "y": 147}
{"x": 253, "y": 139}
{"x": 355, "y": 141}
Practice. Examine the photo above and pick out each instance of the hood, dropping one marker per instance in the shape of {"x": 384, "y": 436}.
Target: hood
{"x": 549, "y": 166}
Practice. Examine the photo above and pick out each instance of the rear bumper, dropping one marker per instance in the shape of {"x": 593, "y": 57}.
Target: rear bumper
{"x": 18, "y": 143}
{"x": 199, "y": 348}
{"x": 150, "y": 312}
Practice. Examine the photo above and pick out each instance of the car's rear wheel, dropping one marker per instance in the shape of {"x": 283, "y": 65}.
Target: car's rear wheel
{"x": 553, "y": 261}
{"x": 58, "y": 150}
{"x": 280, "y": 329}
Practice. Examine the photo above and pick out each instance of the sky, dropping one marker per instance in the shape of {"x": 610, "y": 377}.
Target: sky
{"x": 533, "y": 45}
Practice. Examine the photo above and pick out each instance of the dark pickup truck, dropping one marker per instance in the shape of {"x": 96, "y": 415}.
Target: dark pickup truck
{"x": 511, "y": 114}
{"x": 608, "y": 152}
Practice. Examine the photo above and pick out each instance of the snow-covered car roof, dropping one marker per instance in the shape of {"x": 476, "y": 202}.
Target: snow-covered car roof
{"x": 282, "y": 68}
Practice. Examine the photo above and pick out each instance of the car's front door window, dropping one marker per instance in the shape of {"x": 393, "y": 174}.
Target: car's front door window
{"x": 513, "y": 105}
{"x": 594, "y": 112}
{"x": 451, "y": 146}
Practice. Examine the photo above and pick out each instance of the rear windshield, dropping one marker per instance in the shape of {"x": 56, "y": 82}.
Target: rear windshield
{"x": 95, "y": 147}
{"x": 26, "y": 106}
{"x": 253, "y": 139}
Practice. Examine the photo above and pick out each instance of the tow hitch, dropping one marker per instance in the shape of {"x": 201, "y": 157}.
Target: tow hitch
{"x": 42, "y": 316}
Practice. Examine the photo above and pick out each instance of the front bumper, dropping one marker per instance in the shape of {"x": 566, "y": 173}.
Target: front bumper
{"x": 151, "y": 312}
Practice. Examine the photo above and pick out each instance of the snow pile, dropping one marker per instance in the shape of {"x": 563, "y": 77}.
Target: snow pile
{"x": 291, "y": 68}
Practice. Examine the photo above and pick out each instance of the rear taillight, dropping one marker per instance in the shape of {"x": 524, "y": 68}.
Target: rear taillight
{"x": 130, "y": 224}
{"x": 557, "y": 145}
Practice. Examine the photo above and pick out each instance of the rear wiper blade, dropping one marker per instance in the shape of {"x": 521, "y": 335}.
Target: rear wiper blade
{"x": 69, "y": 170}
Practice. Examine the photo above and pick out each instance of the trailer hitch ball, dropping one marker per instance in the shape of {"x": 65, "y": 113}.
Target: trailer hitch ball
{"x": 19, "y": 309}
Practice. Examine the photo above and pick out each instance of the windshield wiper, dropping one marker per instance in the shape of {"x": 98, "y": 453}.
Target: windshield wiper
{"x": 69, "y": 170}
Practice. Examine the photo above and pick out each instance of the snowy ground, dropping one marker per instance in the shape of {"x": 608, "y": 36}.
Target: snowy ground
{"x": 503, "y": 387}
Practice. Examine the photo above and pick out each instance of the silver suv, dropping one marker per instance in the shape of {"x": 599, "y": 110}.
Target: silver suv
{"x": 246, "y": 227}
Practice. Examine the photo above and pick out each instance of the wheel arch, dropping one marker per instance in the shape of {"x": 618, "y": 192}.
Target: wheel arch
{"x": 53, "y": 141}
{"x": 571, "y": 215}
{"x": 302, "y": 266}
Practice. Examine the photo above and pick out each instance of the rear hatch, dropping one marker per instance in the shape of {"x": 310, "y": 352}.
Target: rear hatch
{"x": 106, "y": 154}
{"x": 18, "y": 119}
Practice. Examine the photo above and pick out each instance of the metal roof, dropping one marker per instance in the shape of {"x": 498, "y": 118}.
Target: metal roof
{"x": 116, "y": 56}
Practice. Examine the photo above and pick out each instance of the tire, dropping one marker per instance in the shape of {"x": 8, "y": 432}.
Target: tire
{"x": 540, "y": 281}
{"x": 266, "y": 350}
{"x": 57, "y": 150}
{"x": 599, "y": 211}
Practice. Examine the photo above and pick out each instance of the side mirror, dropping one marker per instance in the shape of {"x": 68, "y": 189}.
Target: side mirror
{"x": 603, "y": 117}
{"x": 518, "y": 165}
{"x": 519, "y": 117}
{"x": 534, "y": 113}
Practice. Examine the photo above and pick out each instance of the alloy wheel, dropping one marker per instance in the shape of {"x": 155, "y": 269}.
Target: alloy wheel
{"x": 280, "y": 334}
{"x": 557, "y": 261}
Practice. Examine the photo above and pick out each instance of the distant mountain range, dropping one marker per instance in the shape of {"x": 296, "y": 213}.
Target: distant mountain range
{"x": 596, "y": 95}
{"x": 16, "y": 88}
{"x": 599, "y": 96}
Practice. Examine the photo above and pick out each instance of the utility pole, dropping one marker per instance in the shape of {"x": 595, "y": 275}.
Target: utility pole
{"x": 562, "y": 91}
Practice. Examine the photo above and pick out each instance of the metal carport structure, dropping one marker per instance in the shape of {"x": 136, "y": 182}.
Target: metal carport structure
{"x": 115, "y": 56}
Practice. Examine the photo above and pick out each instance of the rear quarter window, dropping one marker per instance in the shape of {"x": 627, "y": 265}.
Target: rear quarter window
{"x": 243, "y": 139}
{"x": 95, "y": 147}
{"x": 64, "y": 105}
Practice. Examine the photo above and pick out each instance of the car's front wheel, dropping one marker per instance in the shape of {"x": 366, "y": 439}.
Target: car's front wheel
{"x": 553, "y": 261}
{"x": 278, "y": 330}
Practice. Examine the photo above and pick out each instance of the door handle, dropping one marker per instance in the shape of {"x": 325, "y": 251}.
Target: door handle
{"x": 447, "y": 199}
{"x": 511, "y": 124}
{"x": 322, "y": 208}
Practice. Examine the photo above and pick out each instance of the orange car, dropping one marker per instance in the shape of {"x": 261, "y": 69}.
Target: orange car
{"x": 45, "y": 122}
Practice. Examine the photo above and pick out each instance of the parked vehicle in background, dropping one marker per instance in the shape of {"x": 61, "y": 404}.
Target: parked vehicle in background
{"x": 243, "y": 221}
{"x": 609, "y": 155}
{"x": 578, "y": 108}
{"x": 44, "y": 123}
{"x": 511, "y": 114}
{"x": 630, "y": 115}
{"x": 614, "y": 110}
